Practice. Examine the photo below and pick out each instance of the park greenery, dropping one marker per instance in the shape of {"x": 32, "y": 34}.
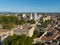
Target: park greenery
{"x": 45, "y": 23}
{"x": 21, "y": 22}
{"x": 8, "y": 19}
{"x": 13, "y": 19}
{"x": 32, "y": 22}
{"x": 58, "y": 18}
{"x": 8, "y": 26}
{"x": 19, "y": 40}
{"x": 40, "y": 43}
{"x": 36, "y": 34}
{"x": 8, "y": 22}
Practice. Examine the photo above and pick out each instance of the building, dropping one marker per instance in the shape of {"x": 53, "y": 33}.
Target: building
{"x": 50, "y": 35}
{"x": 34, "y": 15}
{"x": 31, "y": 17}
{"x": 24, "y": 29}
{"x": 46, "y": 18}
{"x": 23, "y": 16}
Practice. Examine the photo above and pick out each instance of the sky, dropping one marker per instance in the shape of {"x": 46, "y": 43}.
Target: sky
{"x": 29, "y": 5}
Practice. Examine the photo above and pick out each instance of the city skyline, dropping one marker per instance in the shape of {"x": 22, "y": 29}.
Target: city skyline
{"x": 29, "y": 5}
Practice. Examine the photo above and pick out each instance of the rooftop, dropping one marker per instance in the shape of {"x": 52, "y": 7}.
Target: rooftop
{"x": 53, "y": 33}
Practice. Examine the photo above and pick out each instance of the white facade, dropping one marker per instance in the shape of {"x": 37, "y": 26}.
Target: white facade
{"x": 31, "y": 31}
{"x": 31, "y": 17}
{"x": 35, "y": 16}
{"x": 24, "y": 15}
{"x": 28, "y": 31}
{"x": 46, "y": 18}
{"x": 39, "y": 16}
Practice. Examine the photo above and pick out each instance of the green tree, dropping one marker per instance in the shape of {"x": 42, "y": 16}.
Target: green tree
{"x": 21, "y": 22}
{"x": 8, "y": 26}
{"x": 45, "y": 23}
{"x": 35, "y": 34}
{"x": 19, "y": 40}
{"x": 8, "y": 19}
{"x": 58, "y": 18}
{"x": 32, "y": 22}
{"x": 40, "y": 43}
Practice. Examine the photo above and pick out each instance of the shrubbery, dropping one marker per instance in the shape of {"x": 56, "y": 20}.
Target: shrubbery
{"x": 19, "y": 40}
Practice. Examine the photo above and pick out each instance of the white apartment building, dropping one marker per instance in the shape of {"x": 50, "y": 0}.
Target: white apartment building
{"x": 31, "y": 17}
{"x": 24, "y": 29}
{"x": 34, "y": 15}
{"x": 24, "y": 15}
{"x": 46, "y": 18}
{"x": 39, "y": 16}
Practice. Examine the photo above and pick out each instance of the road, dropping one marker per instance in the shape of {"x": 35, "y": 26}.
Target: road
{"x": 4, "y": 36}
{"x": 36, "y": 40}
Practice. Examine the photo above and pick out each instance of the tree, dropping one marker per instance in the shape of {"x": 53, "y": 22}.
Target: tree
{"x": 40, "y": 43}
{"x": 8, "y": 26}
{"x": 19, "y": 40}
{"x": 21, "y": 22}
{"x": 32, "y": 22}
{"x": 35, "y": 34}
{"x": 45, "y": 23}
{"x": 58, "y": 18}
{"x": 8, "y": 19}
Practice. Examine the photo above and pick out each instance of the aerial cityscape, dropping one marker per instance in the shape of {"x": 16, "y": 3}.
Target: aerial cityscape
{"x": 27, "y": 22}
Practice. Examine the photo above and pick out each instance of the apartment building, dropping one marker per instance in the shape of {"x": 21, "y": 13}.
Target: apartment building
{"x": 24, "y": 29}
{"x": 46, "y": 18}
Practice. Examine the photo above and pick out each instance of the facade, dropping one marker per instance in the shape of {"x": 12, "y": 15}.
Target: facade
{"x": 46, "y": 18}
{"x": 24, "y": 29}
{"x": 34, "y": 15}
{"x": 23, "y": 15}
{"x": 31, "y": 17}
{"x": 39, "y": 17}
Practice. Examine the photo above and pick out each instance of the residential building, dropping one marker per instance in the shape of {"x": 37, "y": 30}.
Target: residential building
{"x": 24, "y": 29}
{"x": 46, "y": 18}
{"x": 31, "y": 17}
{"x": 34, "y": 15}
{"x": 23, "y": 15}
